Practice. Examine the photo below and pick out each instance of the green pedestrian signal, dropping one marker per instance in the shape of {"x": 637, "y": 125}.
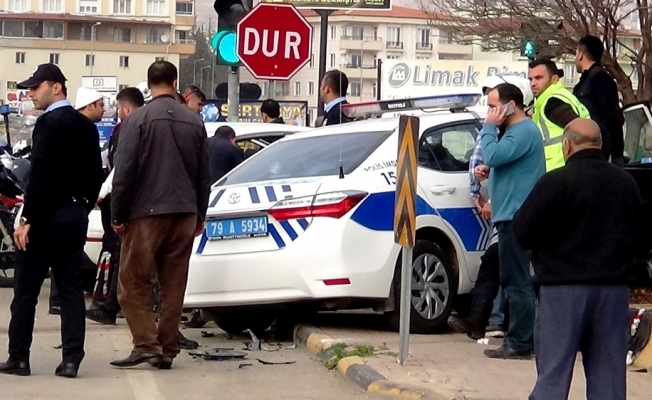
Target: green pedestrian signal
{"x": 528, "y": 49}
{"x": 224, "y": 45}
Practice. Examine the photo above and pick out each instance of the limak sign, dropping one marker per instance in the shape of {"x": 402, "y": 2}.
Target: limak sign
{"x": 432, "y": 77}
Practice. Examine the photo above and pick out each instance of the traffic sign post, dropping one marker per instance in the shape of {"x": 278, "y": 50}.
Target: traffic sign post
{"x": 405, "y": 219}
{"x": 274, "y": 41}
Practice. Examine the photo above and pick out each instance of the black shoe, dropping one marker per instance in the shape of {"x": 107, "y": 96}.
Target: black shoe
{"x": 161, "y": 363}
{"x": 462, "y": 325}
{"x": 68, "y": 370}
{"x": 101, "y": 315}
{"x": 196, "y": 321}
{"x": 136, "y": 358}
{"x": 507, "y": 353}
{"x": 20, "y": 368}
{"x": 120, "y": 314}
{"x": 185, "y": 343}
{"x": 55, "y": 310}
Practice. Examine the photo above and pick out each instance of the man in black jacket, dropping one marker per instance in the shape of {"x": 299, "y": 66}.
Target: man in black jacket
{"x": 52, "y": 232}
{"x": 271, "y": 112}
{"x": 582, "y": 222}
{"x": 333, "y": 93}
{"x": 598, "y": 92}
{"x": 225, "y": 154}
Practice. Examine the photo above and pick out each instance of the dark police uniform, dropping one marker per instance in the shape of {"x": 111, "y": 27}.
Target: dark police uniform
{"x": 64, "y": 184}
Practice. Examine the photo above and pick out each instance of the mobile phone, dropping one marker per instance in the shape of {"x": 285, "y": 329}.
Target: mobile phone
{"x": 508, "y": 108}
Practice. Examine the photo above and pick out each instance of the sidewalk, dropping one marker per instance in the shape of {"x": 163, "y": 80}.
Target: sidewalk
{"x": 454, "y": 363}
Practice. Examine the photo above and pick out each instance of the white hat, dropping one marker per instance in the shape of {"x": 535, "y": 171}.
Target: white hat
{"x": 86, "y": 96}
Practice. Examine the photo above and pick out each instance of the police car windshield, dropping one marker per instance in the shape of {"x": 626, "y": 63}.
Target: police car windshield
{"x": 309, "y": 156}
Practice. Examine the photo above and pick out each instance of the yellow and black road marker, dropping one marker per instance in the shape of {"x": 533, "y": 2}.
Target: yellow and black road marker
{"x": 405, "y": 216}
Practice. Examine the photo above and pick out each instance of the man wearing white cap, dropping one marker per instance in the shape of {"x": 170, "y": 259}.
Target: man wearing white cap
{"x": 90, "y": 103}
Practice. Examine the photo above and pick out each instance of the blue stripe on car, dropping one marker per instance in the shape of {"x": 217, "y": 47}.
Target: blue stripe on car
{"x": 303, "y": 222}
{"x": 253, "y": 193}
{"x": 270, "y": 193}
{"x": 289, "y": 230}
{"x": 275, "y": 235}
{"x": 202, "y": 242}
{"x": 217, "y": 197}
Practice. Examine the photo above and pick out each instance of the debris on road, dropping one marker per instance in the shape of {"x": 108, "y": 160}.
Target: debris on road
{"x": 206, "y": 334}
{"x": 241, "y": 366}
{"x": 218, "y": 354}
{"x": 275, "y": 362}
{"x": 59, "y": 347}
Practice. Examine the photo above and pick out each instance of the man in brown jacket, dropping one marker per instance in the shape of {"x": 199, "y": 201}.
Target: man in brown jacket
{"x": 160, "y": 196}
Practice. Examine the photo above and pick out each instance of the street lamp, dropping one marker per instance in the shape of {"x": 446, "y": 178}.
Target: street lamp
{"x": 201, "y": 72}
{"x": 361, "y": 59}
{"x": 194, "y": 71}
{"x": 93, "y": 34}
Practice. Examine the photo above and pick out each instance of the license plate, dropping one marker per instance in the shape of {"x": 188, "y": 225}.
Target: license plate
{"x": 237, "y": 228}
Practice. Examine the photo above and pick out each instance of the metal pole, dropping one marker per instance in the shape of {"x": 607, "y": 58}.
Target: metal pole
{"x": 379, "y": 77}
{"x": 194, "y": 71}
{"x": 234, "y": 94}
{"x": 212, "y": 80}
{"x": 201, "y": 72}
{"x": 406, "y": 289}
{"x": 323, "y": 50}
{"x": 272, "y": 89}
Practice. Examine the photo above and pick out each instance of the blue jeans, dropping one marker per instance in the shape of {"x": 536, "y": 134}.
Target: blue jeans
{"x": 516, "y": 283}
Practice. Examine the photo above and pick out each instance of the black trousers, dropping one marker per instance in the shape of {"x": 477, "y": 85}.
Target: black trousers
{"x": 591, "y": 319}
{"x": 106, "y": 285}
{"x": 57, "y": 244}
{"x": 486, "y": 287}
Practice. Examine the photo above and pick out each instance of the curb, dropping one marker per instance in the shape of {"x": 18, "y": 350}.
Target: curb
{"x": 365, "y": 377}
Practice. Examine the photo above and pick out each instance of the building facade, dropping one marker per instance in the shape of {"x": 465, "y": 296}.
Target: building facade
{"x": 114, "y": 39}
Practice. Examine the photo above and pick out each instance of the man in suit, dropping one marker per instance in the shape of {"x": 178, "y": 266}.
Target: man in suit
{"x": 52, "y": 231}
{"x": 333, "y": 93}
{"x": 225, "y": 154}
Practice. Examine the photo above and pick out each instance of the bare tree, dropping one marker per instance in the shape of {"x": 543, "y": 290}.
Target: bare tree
{"x": 555, "y": 26}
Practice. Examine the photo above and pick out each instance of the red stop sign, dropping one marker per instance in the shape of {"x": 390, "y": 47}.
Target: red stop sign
{"x": 274, "y": 41}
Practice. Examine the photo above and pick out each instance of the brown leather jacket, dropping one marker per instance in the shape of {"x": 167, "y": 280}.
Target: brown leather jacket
{"x": 162, "y": 163}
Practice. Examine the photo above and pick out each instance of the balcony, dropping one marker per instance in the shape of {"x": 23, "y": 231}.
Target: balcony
{"x": 355, "y": 71}
{"x": 394, "y": 45}
{"x": 361, "y": 43}
{"x": 424, "y": 47}
{"x": 455, "y": 49}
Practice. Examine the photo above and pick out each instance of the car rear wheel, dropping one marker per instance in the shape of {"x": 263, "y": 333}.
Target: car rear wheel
{"x": 434, "y": 286}
{"x": 237, "y": 322}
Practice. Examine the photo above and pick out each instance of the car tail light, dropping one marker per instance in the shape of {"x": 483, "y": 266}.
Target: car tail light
{"x": 331, "y": 205}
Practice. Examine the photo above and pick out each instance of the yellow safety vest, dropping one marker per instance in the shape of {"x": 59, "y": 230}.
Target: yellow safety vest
{"x": 552, "y": 134}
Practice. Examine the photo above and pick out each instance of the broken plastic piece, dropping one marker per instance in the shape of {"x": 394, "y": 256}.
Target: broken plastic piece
{"x": 207, "y": 334}
{"x": 241, "y": 366}
{"x": 275, "y": 362}
{"x": 218, "y": 354}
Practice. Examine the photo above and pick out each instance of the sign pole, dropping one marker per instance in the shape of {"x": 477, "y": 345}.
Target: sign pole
{"x": 272, "y": 89}
{"x": 233, "y": 95}
{"x": 405, "y": 220}
{"x": 323, "y": 52}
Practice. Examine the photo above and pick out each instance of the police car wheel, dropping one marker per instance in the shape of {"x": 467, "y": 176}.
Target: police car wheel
{"x": 237, "y": 322}
{"x": 434, "y": 287}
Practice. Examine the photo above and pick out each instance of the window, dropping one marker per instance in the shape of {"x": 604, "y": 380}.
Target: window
{"x": 266, "y": 89}
{"x": 184, "y": 37}
{"x": 356, "y": 89}
{"x": 392, "y": 57}
{"x": 13, "y": 29}
{"x": 449, "y": 148}
{"x": 297, "y": 88}
{"x": 53, "y": 29}
{"x": 311, "y": 88}
{"x": 124, "y": 61}
{"x": 17, "y": 5}
{"x": 356, "y": 61}
{"x": 122, "y": 35}
{"x": 282, "y": 88}
{"x": 54, "y": 58}
{"x": 88, "y": 6}
{"x": 34, "y": 29}
{"x": 159, "y": 59}
{"x": 274, "y": 163}
{"x": 155, "y": 7}
{"x": 374, "y": 90}
{"x": 375, "y": 61}
{"x": 90, "y": 60}
{"x": 154, "y": 35}
{"x": 569, "y": 73}
{"x": 20, "y": 58}
{"x": 185, "y": 8}
{"x": 423, "y": 38}
{"x": 445, "y": 37}
{"x": 332, "y": 57}
{"x": 51, "y": 5}
{"x": 423, "y": 58}
{"x": 354, "y": 32}
{"x": 122, "y": 87}
{"x": 393, "y": 36}
{"x": 333, "y": 32}
{"x": 122, "y": 6}
{"x": 312, "y": 61}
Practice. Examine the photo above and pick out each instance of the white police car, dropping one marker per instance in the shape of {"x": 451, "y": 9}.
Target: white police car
{"x": 310, "y": 221}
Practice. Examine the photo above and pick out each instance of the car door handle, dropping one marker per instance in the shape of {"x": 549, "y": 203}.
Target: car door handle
{"x": 441, "y": 190}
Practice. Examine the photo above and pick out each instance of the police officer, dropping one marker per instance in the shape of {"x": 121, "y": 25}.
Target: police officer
{"x": 52, "y": 233}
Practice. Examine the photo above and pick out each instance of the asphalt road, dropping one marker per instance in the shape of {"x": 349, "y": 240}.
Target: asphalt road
{"x": 189, "y": 379}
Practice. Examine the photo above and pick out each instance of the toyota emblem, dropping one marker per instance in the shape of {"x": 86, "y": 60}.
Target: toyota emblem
{"x": 234, "y": 198}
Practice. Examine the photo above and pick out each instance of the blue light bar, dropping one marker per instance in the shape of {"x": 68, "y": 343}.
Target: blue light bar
{"x": 371, "y": 108}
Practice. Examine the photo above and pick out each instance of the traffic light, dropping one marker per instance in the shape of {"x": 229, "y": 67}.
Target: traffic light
{"x": 528, "y": 49}
{"x": 229, "y": 12}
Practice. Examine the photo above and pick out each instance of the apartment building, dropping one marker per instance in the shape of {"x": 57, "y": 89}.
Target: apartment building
{"x": 113, "y": 40}
{"x": 357, "y": 39}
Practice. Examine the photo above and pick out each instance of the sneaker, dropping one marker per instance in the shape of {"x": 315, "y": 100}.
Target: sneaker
{"x": 185, "y": 343}
{"x": 505, "y": 352}
{"x": 55, "y": 310}
{"x": 462, "y": 325}
{"x": 494, "y": 332}
{"x": 100, "y": 315}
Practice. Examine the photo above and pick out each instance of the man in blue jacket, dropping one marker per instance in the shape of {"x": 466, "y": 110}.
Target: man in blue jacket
{"x": 516, "y": 162}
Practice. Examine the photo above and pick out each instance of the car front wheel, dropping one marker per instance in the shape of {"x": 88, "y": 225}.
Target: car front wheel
{"x": 434, "y": 286}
